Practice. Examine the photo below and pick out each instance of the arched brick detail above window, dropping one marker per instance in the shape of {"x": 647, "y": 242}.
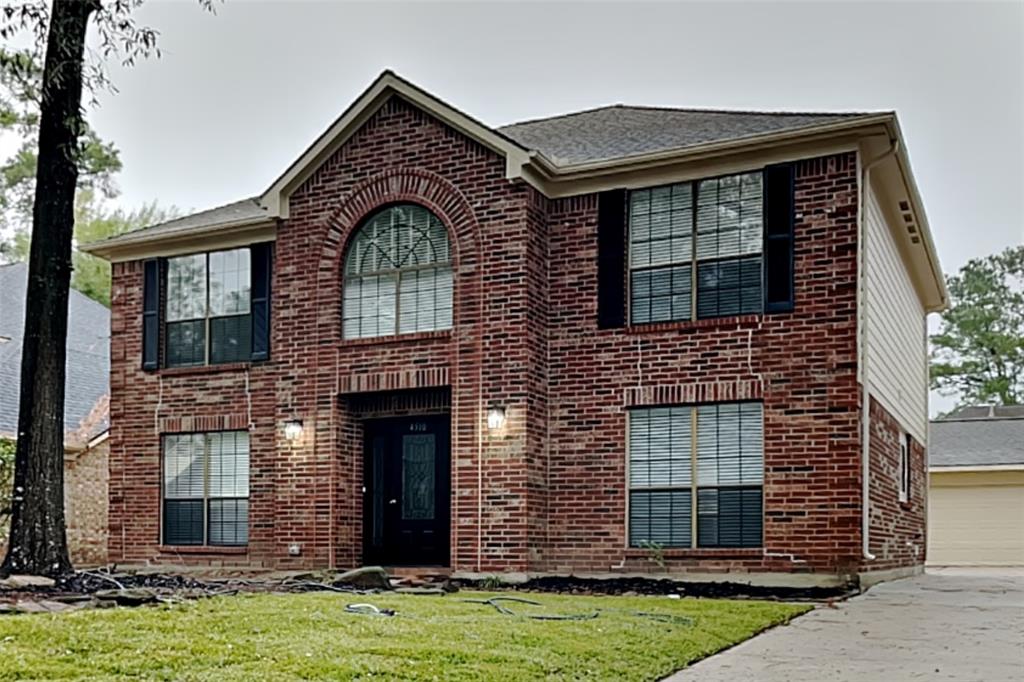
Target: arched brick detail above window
{"x": 411, "y": 185}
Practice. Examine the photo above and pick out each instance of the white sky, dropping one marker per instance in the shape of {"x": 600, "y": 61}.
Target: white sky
{"x": 237, "y": 96}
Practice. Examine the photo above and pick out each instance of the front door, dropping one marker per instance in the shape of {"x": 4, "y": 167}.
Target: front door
{"x": 406, "y": 504}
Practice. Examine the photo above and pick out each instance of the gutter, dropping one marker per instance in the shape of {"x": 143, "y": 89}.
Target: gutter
{"x": 974, "y": 468}
{"x": 108, "y": 248}
{"x": 865, "y": 419}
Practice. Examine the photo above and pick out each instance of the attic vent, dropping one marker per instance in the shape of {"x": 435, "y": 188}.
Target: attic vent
{"x": 908, "y": 219}
{"x": 916, "y": 240}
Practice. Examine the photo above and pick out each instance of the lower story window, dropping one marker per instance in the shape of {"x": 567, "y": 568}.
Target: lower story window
{"x": 904, "y": 467}
{"x": 696, "y": 476}
{"x": 206, "y": 488}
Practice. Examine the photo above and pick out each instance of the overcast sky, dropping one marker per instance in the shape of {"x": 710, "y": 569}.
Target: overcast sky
{"x": 237, "y": 96}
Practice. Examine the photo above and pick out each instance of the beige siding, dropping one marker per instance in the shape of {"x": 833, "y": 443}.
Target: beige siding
{"x": 976, "y": 519}
{"x": 894, "y": 334}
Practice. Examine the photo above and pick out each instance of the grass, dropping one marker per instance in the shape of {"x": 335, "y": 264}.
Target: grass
{"x": 309, "y": 636}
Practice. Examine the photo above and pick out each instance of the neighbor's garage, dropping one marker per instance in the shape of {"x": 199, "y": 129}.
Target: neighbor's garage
{"x": 976, "y": 498}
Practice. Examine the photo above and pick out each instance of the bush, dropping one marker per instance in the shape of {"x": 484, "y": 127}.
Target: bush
{"x": 6, "y": 485}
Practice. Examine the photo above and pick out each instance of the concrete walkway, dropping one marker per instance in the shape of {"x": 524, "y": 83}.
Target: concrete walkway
{"x": 945, "y": 625}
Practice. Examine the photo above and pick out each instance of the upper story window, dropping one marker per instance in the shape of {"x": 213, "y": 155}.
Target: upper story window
{"x": 207, "y": 308}
{"x": 398, "y": 275}
{"x": 695, "y": 249}
{"x": 208, "y": 315}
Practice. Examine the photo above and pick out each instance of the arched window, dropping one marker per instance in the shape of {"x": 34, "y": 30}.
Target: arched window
{"x": 398, "y": 275}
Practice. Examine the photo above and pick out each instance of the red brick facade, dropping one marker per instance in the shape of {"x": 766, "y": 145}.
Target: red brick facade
{"x": 897, "y": 534}
{"x": 548, "y": 492}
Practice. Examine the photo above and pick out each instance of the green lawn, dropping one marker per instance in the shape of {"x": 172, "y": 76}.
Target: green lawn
{"x": 309, "y": 636}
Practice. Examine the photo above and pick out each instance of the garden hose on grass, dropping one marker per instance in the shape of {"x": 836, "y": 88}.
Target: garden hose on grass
{"x": 368, "y": 610}
{"x": 670, "y": 618}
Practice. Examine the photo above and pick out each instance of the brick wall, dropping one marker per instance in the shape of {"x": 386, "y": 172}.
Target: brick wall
{"x": 85, "y": 505}
{"x": 802, "y": 365}
{"x": 897, "y": 530}
{"x": 547, "y": 492}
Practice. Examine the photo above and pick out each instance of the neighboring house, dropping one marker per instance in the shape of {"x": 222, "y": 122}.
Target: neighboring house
{"x": 976, "y": 498}
{"x": 85, "y": 406}
{"x": 572, "y": 344}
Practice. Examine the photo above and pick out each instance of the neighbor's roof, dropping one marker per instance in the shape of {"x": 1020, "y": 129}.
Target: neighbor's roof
{"x": 88, "y": 354}
{"x": 978, "y": 437}
{"x": 620, "y": 131}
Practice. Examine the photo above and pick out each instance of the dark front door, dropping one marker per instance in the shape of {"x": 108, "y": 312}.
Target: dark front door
{"x": 406, "y": 501}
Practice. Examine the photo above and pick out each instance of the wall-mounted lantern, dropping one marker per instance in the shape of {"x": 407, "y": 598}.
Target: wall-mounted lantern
{"x": 496, "y": 417}
{"x": 293, "y": 429}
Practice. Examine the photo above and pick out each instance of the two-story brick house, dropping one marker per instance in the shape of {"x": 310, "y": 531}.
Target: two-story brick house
{"x": 570, "y": 344}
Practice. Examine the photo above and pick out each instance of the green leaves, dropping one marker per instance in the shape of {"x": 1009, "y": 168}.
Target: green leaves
{"x": 93, "y": 222}
{"x": 6, "y": 483}
{"x": 978, "y": 355}
{"x": 98, "y": 164}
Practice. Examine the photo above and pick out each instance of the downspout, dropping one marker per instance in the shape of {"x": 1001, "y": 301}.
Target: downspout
{"x": 865, "y": 436}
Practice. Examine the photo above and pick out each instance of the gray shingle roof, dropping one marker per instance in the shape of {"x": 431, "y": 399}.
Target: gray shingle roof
{"x": 986, "y": 412}
{"x": 88, "y": 354}
{"x": 976, "y": 442}
{"x": 239, "y": 211}
{"x": 620, "y": 131}
{"x": 603, "y": 134}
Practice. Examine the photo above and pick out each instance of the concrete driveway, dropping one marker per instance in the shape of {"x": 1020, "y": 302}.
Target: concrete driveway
{"x": 945, "y": 625}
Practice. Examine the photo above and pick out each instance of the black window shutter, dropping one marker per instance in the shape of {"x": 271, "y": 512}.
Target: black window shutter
{"x": 261, "y": 271}
{"x": 611, "y": 259}
{"x": 778, "y": 238}
{"x": 151, "y": 315}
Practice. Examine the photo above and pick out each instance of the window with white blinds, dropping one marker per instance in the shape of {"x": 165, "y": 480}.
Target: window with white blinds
{"x": 695, "y": 249}
{"x": 398, "y": 275}
{"x": 206, "y": 488}
{"x": 696, "y": 475}
{"x": 208, "y": 317}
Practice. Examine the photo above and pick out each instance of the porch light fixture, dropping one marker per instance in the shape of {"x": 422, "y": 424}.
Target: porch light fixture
{"x": 496, "y": 417}
{"x": 293, "y": 429}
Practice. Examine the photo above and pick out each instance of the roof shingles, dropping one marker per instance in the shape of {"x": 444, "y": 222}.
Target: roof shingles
{"x": 620, "y": 131}
{"x": 603, "y": 134}
{"x": 88, "y": 354}
{"x": 976, "y": 442}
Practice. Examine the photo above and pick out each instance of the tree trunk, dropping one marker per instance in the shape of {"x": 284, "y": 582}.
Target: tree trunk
{"x": 38, "y": 540}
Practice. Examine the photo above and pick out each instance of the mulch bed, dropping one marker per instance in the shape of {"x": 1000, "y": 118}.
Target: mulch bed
{"x": 105, "y": 588}
{"x": 628, "y": 586}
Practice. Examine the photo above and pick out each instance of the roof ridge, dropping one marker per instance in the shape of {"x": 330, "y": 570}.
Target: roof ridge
{"x": 569, "y": 114}
{"x": 701, "y": 110}
{"x": 959, "y": 420}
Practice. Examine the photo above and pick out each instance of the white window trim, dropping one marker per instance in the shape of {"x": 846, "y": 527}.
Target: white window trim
{"x": 902, "y": 469}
